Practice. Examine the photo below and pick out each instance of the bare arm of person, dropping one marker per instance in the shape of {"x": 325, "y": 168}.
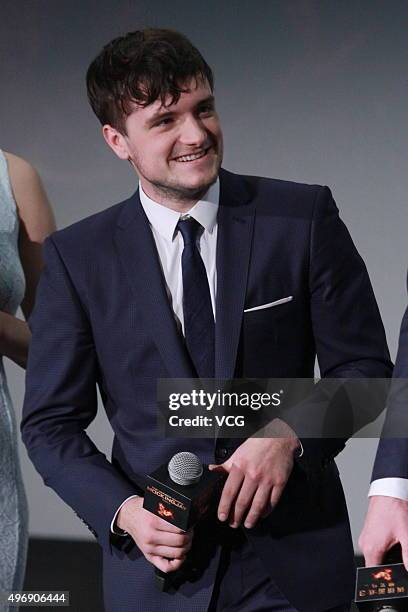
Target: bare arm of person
{"x": 36, "y": 222}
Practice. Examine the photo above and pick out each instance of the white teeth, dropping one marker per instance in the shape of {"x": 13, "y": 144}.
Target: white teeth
{"x": 186, "y": 158}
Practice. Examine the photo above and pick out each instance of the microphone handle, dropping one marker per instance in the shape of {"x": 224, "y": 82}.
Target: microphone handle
{"x": 161, "y": 579}
{"x": 164, "y": 580}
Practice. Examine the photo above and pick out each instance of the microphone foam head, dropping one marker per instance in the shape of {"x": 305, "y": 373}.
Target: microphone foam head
{"x": 185, "y": 468}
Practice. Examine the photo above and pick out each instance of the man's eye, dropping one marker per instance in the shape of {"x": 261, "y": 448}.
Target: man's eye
{"x": 164, "y": 121}
{"x": 206, "y": 110}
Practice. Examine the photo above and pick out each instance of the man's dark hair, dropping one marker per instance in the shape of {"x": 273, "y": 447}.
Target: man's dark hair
{"x": 142, "y": 67}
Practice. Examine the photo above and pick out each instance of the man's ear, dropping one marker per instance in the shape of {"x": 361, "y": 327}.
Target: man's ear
{"x": 116, "y": 141}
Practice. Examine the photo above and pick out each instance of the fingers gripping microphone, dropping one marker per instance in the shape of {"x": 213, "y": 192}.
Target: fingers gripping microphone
{"x": 182, "y": 493}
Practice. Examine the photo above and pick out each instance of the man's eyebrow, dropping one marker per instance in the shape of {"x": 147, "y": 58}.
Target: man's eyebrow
{"x": 161, "y": 114}
{"x": 207, "y": 100}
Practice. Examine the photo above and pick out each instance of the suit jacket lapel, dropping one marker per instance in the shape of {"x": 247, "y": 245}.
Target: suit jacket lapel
{"x": 138, "y": 254}
{"x": 235, "y": 228}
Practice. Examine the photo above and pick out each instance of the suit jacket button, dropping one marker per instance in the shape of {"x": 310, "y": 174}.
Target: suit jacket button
{"x": 221, "y": 453}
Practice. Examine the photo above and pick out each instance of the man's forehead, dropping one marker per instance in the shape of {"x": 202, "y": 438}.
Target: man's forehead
{"x": 195, "y": 88}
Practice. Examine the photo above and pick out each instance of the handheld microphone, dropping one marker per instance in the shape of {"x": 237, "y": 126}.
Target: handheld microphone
{"x": 182, "y": 493}
{"x": 185, "y": 469}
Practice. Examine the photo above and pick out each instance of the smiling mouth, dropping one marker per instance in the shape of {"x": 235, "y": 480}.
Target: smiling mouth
{"x": 193, "y": 157}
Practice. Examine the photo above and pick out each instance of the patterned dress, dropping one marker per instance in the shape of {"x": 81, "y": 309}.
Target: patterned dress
{"x": 13, "y": 504}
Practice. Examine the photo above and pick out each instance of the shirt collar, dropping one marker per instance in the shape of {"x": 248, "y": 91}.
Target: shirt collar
{"x": 164, "y": 220}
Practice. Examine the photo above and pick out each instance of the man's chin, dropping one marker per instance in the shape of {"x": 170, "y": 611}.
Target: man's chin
{"x": 185, "y": 187}
{"x": 195, "y": 190}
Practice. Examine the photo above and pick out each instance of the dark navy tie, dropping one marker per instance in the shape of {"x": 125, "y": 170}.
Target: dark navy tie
{"x": 199, "y": 327}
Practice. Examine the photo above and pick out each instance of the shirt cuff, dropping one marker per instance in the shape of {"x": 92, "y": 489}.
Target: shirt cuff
{"x": 114, "y": 528}
{"x": 390, "y": 487}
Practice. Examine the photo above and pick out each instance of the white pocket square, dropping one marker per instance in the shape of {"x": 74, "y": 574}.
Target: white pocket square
{"x": 270, "y": 304}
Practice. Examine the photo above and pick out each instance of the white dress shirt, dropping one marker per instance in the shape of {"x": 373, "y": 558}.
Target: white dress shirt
{"x": 169, "y": 243}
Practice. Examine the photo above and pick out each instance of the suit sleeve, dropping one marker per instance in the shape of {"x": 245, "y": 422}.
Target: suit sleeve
{"x": 347, "y": 329}
{"x": 392, "y": 454}
{"x": 61, "y": 401}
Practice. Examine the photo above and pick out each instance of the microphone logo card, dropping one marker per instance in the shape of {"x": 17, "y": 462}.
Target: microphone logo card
{"x": 182, "y": 505}
{"x": 381, "y": 583}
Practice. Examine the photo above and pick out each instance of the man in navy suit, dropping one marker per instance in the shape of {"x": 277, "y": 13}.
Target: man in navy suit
{"x": 200, "y": 273}
{"x": 386, "y": 523}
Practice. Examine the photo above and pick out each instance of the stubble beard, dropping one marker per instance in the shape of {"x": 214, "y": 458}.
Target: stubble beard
{"x": 176, "y": 192}
{"x": 180, "y": 193}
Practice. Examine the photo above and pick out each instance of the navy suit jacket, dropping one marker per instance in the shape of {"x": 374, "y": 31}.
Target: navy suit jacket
{"x": 102, "y": 317}
{"x": 392, "y": 453}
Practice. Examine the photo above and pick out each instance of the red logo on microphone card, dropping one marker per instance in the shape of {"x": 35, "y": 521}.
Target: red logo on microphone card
{"x": 385, "y": 574}
{"x": 165, "y": 512}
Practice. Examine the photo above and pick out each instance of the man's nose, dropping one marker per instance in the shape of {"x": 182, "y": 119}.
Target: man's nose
{"x": 193, "y": 132}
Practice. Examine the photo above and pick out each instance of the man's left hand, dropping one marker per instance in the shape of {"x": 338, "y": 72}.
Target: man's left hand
{"x": 257, "y": 474}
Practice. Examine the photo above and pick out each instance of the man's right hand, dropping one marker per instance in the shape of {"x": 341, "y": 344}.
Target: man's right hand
{"x": 163, "y": 544}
